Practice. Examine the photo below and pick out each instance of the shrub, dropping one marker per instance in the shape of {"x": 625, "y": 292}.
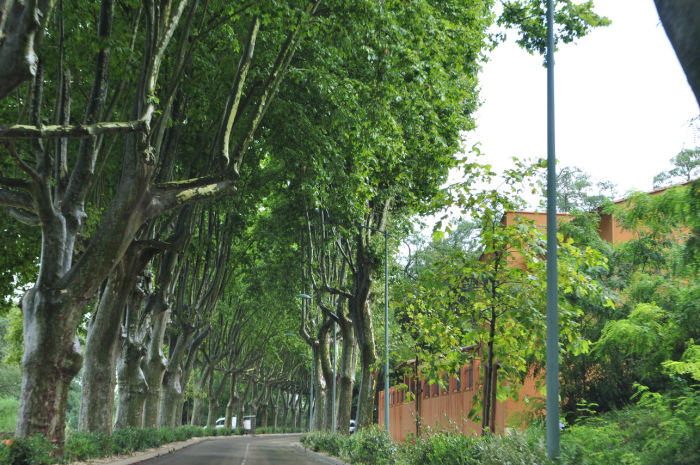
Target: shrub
{"x": 34, "y": 450}
{"x": 441, "y": 448}
{"x": 661, "y": 429}
{"x": 224, "y": 431}
{"x": 371, "y": 445}
{"x": 82, "y": 446}
{"x": 207, "y": 431}
{"x": 123, "y": 441}
{"x": 147, "y": 438}
{"x": 166, "y": 434}
{"x": 516, "y": 448}
{"x": 183, "y": 433}
{"x": 240, "y": 430}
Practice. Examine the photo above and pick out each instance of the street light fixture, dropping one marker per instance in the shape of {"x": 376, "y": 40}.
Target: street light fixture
{"x": 386, "y": 322}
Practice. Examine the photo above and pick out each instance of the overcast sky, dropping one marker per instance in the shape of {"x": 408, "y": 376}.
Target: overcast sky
{"x": 623, "y": 105}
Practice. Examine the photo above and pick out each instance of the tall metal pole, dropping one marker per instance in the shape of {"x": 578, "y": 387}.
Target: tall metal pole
{"x": 552, "y": 294}
{"x": 335, "y": 363}
{"x": 386, "y": 331}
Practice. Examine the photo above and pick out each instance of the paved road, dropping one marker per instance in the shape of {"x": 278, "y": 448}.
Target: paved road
{"x": 243, "y": 450}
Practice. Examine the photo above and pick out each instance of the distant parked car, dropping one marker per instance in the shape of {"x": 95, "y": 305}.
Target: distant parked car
{"x": 352, "y": 426}
{"x": 221, "y": 422}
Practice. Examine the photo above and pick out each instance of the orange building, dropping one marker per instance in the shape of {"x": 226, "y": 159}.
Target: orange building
{"x": 448, "y": 409}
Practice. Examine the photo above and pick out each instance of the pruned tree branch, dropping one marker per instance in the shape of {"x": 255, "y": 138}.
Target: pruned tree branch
{"x": 10, "y": 198}
{"x": 24, "y": 217}
{"x": 22, "y": 131}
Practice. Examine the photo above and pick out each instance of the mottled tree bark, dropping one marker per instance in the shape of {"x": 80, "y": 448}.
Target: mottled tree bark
{"x": 347, "y": 377}
{"x": 368, "y": 367}
{"x": 155, "y": 369}
{"x": 132, "y": 386}
{"x": 101, "y": 351}
{"x": 105, "y": 335}
{"x": 171, "y": 389}
{"x": 325, "y": 410}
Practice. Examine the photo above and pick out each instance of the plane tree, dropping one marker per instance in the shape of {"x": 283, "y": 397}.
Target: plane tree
{"x": 57, "y": 162}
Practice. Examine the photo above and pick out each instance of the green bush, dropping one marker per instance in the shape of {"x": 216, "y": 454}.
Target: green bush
{"x": 207, "y": 431}
{"x": 183, "y": 433}
{"x": 371, "y": 445}
{"x": 35, "y": 450}
{"x": 123, "y": 441}
{"x": 82, "y": 446}
{"x": 516, "y": 448}
{"x": 660, "y": 430}
{"x": 241, "y": 430}
{"x": 224, "y": 432}
{"x": 441, "y": 448}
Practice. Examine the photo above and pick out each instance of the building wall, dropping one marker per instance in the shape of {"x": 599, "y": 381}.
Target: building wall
{"x": 449, "y": 409}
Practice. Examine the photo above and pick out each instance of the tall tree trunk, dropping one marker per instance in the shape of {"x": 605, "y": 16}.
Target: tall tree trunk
{"x": 155, "y": 369}
{"x": 102, "y": 347}
{"x": 286, "y": 401}
{"x": 171, "y": 389}
{"x": 264, "y": 415}
{"x": 347, "y": 377}
{"x": 294, "y": 402}
{"x": 132, "y": 386}
{"x": 306, "y": 414}
{"x": 197, "y": 412}
{"x": 274, "y": 405}
{"x": 101, "y": 351}
{"x": 233, "y": 400}
{"x": 368, "y": 367}
{"x": 213, "y": 413}
{"x": 52, "y": 357}
{"x": 320, "y": 392}
{"x": 325, "y": 410}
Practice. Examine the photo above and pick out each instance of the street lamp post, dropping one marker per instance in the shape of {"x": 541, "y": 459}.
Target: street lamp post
{"x": 552, "y": 285}
{"x": 386, "y": 322}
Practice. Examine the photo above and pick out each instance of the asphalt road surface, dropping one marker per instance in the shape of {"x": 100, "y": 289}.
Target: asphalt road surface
{"x": 241, "y": 450}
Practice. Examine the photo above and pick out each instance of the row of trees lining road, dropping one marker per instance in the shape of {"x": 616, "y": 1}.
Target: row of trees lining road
{"x": 119, "y": 119}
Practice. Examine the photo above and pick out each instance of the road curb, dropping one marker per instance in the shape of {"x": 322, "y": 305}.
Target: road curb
{"x": 322, "y": 457}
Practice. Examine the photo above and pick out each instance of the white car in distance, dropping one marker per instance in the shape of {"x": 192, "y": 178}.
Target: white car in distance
{"x": 221, "y": 422}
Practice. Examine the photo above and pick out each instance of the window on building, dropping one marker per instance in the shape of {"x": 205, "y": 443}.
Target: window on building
{"x": 456, "y": 386}
{"x": 469, "y": 376}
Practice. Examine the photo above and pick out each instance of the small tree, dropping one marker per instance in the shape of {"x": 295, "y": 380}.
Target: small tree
{"x": 496, "y": 302}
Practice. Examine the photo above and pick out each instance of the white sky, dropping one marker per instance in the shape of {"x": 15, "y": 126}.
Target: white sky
{"x": 623, "y": 104}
